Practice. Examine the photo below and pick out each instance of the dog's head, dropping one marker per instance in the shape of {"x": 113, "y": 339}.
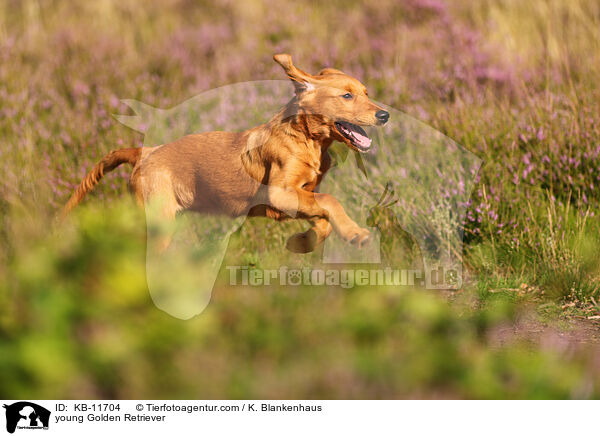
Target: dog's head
{"x": 340, "y": 103}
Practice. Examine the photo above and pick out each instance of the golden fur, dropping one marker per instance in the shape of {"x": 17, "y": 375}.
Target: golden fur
{"x": 270, "y": 170}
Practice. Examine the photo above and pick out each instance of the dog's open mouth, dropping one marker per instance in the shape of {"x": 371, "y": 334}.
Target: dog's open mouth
{"x": 355, "y": 134}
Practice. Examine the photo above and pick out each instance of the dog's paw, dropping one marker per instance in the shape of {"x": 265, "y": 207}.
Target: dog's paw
{"x": 302, "y": 242}
{"x": 358, "y": 236}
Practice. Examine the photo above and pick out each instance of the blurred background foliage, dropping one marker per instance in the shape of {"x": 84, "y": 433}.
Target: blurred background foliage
{"x": 514, "y": 82}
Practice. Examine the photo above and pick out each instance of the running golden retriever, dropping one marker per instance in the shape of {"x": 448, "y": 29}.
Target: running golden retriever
{"x": 270, "y": 170}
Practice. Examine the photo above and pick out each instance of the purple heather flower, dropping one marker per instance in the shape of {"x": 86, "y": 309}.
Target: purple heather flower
{"x": 540, "y": 134}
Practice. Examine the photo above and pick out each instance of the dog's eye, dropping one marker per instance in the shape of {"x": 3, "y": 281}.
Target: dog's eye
{"x": 347, "y": 95}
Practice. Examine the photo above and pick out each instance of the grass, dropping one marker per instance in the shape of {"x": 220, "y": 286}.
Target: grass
{"x": 513, "y": 83}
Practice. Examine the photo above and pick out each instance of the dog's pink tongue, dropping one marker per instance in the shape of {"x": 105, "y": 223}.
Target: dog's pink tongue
{"x": 362, "y": 139}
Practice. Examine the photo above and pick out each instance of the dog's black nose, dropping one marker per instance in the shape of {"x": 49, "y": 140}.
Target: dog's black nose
{"x": 382, "y": 116}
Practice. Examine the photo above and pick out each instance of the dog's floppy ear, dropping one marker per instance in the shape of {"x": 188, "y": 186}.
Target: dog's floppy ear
{"x": 326, "y": 71}
{"x": 302, "y": 81}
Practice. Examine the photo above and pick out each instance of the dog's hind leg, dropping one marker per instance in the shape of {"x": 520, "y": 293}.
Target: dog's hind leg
{"x": 307, "y": 241}
{"x": 161, "y": 207}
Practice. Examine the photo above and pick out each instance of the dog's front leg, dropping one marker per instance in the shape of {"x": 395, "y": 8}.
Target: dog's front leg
{"x": 299, "y": 203}
{"x": 306, "y": 242}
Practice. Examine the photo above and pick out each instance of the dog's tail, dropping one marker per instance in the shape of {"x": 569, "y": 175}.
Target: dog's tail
{"x": 108, "y": 163}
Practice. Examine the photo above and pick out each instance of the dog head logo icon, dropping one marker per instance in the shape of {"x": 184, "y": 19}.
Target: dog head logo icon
{"x": 26, "y": 415}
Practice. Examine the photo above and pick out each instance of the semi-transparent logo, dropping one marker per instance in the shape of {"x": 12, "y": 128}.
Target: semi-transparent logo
{"x": 410, "y": 190}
